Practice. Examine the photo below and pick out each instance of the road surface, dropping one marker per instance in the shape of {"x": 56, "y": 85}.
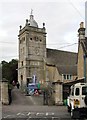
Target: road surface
{"x": 32, "y": 107}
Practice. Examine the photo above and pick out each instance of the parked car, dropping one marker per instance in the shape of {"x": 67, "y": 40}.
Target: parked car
{"x": 32, "y": 88}
{"x": 77, "y": 101}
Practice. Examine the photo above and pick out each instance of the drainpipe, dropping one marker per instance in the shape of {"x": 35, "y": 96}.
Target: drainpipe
{"x": 84, "y": 68}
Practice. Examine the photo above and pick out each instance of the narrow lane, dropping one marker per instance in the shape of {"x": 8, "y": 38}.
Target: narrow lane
{"x": 18, "y": 98}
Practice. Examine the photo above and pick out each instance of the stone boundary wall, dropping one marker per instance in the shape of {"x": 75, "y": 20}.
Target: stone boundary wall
{"x": 4, "y": 92}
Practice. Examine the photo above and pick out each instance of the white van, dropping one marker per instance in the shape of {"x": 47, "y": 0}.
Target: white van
{"x": 77, "y": 101}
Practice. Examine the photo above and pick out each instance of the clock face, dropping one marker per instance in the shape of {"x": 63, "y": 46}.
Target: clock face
{"x": 37, "y": 51}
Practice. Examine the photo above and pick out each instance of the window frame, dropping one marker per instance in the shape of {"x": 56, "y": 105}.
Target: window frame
{"x": 77, "y": 91}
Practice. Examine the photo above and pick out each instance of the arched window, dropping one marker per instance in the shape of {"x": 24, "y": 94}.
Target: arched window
{"x": 21, "y": 77}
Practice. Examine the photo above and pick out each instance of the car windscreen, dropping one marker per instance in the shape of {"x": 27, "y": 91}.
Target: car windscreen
{"x": 84, "y": 90}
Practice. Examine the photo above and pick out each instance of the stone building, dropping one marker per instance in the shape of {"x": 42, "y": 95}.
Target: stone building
{"x": 61, "y": 68}
{"x": 50, "y": 66}
{"x": 82, "y": 53}
{"x": 32, "y": 51}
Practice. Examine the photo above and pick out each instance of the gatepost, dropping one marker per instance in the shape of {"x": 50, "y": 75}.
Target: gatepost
{"x": 4, "y": 92}
{"x": 58, "y": 98}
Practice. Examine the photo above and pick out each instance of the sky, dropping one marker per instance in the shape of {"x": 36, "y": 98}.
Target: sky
{"x": 61, "y": 17}
{"x": 86, "y": 18}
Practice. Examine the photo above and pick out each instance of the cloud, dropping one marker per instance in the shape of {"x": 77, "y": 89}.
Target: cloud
{"x": 62, "y": 19}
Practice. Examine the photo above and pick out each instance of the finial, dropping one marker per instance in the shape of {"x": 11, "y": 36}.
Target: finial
{"x": 31, "y": 11}
{"x": 26, "y": 21}
{"x": 82, "y": 25}
{"x": 43, "y": 24}
{"x": 20, "y": 27}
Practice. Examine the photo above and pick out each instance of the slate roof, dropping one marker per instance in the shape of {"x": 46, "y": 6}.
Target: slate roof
{"x": 67, "y": 69}
{"x": 65, "y": 61}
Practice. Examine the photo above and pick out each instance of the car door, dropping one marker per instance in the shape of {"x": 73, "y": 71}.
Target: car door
{"x": 84, "y": 93}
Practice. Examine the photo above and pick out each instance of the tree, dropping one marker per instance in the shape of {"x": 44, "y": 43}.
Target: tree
{"x": 9, "y": 70}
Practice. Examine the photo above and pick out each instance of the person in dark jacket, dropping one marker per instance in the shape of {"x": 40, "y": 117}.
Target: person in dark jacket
{"x": 18, "y": 85}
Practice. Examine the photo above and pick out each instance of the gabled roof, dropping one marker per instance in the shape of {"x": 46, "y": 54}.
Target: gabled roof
{"x": 68, "y": 69}
{"x": 64, "y": 61}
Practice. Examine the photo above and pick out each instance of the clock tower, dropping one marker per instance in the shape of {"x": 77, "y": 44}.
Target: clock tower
{"x": 32, "y": 52}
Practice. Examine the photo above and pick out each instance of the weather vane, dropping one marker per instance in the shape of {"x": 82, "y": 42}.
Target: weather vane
{"x": 31, "y": 11}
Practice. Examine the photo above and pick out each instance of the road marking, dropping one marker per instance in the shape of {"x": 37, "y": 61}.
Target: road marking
{"x": 46, "y": 114}
{"x": 53, "y": 118}
{"x": 32, "y": 112}
{"x": 30, "y": 117}
{"x": 22, "y": 114}
{"x": 37, "y": 113}
{"x": 18, "y": 113}
{"x": 28, "y": 113}
{"x": 52, "y": 113}
{"x": 7, "y": 116}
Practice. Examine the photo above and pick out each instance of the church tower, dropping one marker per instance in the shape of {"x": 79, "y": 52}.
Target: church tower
{"x": 32, "y": 52}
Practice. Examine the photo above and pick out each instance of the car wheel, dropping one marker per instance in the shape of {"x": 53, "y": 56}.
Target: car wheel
{"x": 75, "y": 114}
{"x": 85, "y": 100}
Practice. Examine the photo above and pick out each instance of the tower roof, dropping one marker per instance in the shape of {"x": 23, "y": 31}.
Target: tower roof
{"x": 32, "y": 22}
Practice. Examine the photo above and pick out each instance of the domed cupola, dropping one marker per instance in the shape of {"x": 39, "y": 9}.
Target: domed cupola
{"x": 32, "y": 22}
